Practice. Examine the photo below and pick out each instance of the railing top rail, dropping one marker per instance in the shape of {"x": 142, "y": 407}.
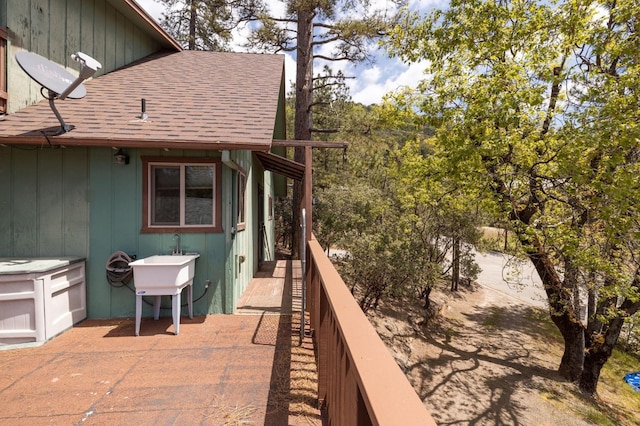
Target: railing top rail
{"x": 387, "y": 393}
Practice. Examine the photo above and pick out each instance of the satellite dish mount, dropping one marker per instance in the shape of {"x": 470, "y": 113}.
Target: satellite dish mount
{"x": 59, "y": 83}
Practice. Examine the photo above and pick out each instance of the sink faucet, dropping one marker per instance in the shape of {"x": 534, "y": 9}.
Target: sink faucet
{"x": 177, "y": 249}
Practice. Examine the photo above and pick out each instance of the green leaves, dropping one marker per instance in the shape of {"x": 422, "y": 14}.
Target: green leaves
{"x": 536, "y": 109}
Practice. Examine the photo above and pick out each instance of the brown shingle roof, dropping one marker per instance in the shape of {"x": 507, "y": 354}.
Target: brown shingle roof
{"x": 194, "y": 100}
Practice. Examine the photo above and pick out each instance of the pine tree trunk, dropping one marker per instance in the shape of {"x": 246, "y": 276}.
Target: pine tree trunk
{"x": 193, "y": 9}
{"x": 302, "y": 121}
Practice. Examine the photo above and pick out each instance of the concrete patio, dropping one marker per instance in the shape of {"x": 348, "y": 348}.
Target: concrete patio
{"x": 248, "y": 368}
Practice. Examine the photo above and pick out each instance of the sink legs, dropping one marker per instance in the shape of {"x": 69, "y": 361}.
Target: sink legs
{"x": 138, "y": 313}
{"x": 190, "y": 300}
{"x": 156, "y": 307}
{"x": 175, "y": 308}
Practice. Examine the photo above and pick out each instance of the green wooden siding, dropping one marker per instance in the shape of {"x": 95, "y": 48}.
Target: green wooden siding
{"x": 78, "y": 202}
{"x": 245, "y": 244}
{"x": 57, "y": 28}
{"x": 44, "y": 202}
{"x": 116, "y": 220}
{"x": 3, "y": 13}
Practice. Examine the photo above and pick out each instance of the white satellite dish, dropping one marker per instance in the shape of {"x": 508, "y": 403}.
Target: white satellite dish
{"x": 59, "y": 83}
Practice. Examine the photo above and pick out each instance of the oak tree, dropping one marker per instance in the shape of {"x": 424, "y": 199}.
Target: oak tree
{"x": 536, "y": 105}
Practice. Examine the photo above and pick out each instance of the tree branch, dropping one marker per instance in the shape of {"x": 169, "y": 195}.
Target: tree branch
{"x": 327, "y": 58}
{"x": 326, "y": 41}
{"x": 313, "y": 130}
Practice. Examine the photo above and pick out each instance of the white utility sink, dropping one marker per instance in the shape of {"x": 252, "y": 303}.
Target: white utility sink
{"x": 164, "y": 275}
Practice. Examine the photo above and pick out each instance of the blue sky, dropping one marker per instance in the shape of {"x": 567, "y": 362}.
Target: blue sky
{"x": 372, "y": 80}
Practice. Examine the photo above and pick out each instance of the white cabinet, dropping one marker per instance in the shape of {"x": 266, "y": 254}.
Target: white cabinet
{"x": 40, "y": 298}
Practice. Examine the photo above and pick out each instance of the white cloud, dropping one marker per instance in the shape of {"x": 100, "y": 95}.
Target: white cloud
{"x": 413, "y": 74}
{"x": 153, "y": 8}
{"x": 371, "y": 75}
{"x": 277, "y": 8}
{"x": 289, "y": 72}
{"x": 388, "y": 75}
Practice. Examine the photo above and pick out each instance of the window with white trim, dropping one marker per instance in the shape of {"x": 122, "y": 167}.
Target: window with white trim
{"x": 181, "y": 194}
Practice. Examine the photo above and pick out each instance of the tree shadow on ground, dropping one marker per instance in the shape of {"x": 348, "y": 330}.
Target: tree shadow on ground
{"x": 517, "y": 318}
{"x": 478, "y": 364}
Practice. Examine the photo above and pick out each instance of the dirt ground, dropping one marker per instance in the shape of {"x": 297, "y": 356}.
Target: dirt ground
{"x": 485, "y": 361}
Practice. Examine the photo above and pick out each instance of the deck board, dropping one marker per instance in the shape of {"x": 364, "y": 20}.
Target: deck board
{"x": 220, "y": 369}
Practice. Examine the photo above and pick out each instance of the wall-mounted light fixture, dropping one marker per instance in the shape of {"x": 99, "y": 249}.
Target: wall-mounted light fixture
{"x": 121, "y": 157}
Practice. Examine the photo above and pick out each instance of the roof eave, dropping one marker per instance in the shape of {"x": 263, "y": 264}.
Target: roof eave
{"x": 127, "y": 143}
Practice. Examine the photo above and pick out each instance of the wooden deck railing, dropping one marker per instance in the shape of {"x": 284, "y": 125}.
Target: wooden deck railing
{"x": 359, "y": 382}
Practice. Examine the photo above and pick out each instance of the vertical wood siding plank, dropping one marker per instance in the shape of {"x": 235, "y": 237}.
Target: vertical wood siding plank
{"x": 137, "y": 43}
{"x": 57, "y": 32}
{"x": 99, "y": 34}
{"x": 110, "y": 39}
{"x": 86, "y": 27}
{"x": 39, "y": 15}
{"x": 22, "y": 89}
{"x": 75, "y": 219}
{"x": 6, "y": 172}
{"x": 74, "y": 24}
{"x": 100, "y": 246}
{"x": 25, "y": 206}
{"x": 120, "y": 39}
{"x": 129, "y": 42}
{"x": 18, "y": 22}
{"x": 50, "y": 201}
{"x": 125, "y": 211}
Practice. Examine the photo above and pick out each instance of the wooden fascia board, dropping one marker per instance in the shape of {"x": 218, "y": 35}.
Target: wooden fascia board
{"x": 307, "y": 143}
{"x": 41, "y": 140}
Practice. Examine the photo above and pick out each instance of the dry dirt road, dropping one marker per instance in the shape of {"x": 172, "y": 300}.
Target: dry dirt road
{"x": 513, "y": 277}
